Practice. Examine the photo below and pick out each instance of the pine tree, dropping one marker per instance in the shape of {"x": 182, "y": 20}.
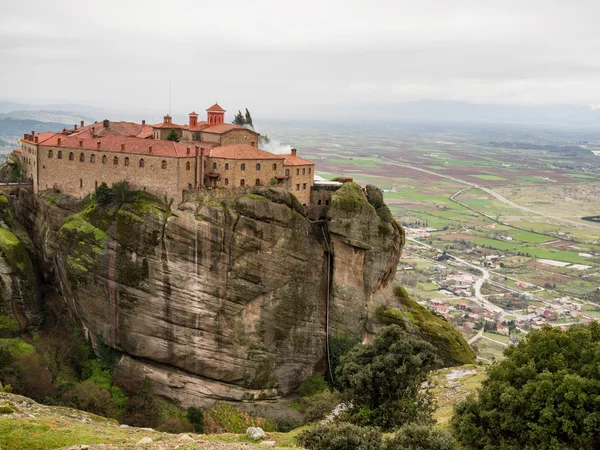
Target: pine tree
{"x": 248, "y": 118}
{"x": 239, "y": 118}
{"x": 172, "y": 136}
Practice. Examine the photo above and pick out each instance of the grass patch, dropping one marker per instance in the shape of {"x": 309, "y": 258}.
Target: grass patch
{"x": 488, "y": 177}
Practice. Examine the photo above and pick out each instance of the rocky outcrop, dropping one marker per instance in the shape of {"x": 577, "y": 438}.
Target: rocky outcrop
{"x": 218, "y": 300}
{"x": 20, "y": 307}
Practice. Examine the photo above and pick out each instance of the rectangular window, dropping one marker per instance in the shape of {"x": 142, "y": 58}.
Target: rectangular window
{"x": 297, "y": 187}
{"x": 303, "y": 171}
{"x": 303, "y": 186}
{"x": 243, "y": 166}
{"x": 274, "y": 166}
{"x": 287, "y": 172}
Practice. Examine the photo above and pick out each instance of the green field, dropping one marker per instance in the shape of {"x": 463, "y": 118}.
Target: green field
{"x": 489, "y": 177}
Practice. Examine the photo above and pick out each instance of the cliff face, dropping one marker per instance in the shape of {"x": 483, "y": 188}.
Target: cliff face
{"x": 217, "y": 300}
{"x": 20, "y": 307}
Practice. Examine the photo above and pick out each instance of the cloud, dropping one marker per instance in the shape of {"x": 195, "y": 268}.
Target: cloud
{"x": 282, "y": 58}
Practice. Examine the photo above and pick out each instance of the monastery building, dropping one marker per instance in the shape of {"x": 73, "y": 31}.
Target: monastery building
{"x": 210, "y": 154}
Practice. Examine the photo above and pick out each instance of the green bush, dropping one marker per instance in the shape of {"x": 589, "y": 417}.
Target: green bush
{"x": 287, "y": 425}
{"x": 385, "y": 377}
{"x": 175, "y": 426}
{"x": 420, "y": 437}
{"x": 104, "y": 195}
{"x": 339, "y": 345}
{"x": 342, "y": 436}
{"x": 196, "y": 417}
{"x": 224, "y": 418}
{"x": 544, "y": 394}
{"x": 313, "y": 385}
{"x": 316, "y": 407}
{"x": 6, "y": 409}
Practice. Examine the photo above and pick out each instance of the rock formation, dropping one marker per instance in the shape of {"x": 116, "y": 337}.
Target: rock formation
{"x": 221, "y": 299}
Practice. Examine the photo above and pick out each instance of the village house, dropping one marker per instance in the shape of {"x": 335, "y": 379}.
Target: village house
{"x": 164, "y": 159}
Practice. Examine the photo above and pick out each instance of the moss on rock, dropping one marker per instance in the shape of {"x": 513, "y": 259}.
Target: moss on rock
{"x": 452, "y": 347}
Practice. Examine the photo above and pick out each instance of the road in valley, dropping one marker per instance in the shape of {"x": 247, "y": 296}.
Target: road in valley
{"x": 478, "y": 284}
{"x": 494, "y": 194}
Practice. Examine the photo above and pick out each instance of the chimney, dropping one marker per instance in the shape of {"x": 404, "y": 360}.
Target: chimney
{"x": 106, "y": 123}
{"x": 32, "y": 133}
{"x": 253, "y": 144}
{"x": 98, "y": 143}
{"x": 143, "y": 122}
{"x": 81, "y": 123}
{"x": 59, "y": 141}
{"x": 64, "y": 131}
{"x": 122, "y": 147}
{"x": 81, "y": 143}
{"x": 293, "y": 152}
{"x": 75, "y": 127}
{"x": 150, "y": 149}
{"x": 35, "y": 139}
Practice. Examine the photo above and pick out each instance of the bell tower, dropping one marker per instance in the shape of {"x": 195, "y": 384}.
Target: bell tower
{"x": 215, "y": 115}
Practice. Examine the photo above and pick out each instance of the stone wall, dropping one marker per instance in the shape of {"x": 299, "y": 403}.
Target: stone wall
{"x": 300, "y": 181}
{"x": 320, "y": 196}
{"x": 239, "y": 137}
{"x": 231, "y": 177}
{"x": 78, "y": 178}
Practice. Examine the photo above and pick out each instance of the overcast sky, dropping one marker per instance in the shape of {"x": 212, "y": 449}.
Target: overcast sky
{"x": 279, "y": 56}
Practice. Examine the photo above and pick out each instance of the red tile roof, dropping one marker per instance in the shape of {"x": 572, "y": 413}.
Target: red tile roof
{"x": 133, "y": 145}
{"x": 225, "y": 128}
{"x": 199, "y": 126}
{"x": 292, "y": 160}
{"x": 42, "y": 137}
{"x": 17, "y": 150}
{"x": 241, "y": 151}
{"x": 168, "y": 125}
{"x": 216, "y": 108}
{"x": 114, "y": 129}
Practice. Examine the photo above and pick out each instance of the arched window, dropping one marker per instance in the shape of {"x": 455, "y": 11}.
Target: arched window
{"x": 274, "y": 166}
{"x": 81, "y": 182}
{"x": 215, "y": 166}
{"x": 287, "y": 172}
{"x": 92, "y": 158}
{"x": 297, "y": 171}
{"x": 103, "y": 159}
{"x": 189, "y": 185}
{"x": 163, "y": 164}
{"x": 303, "y": 171}
{"x": 126, "y": 162}
{"x": 226, "y": 166}
{"x": 142, "y": 162}
{"x": 81, "y": 157}
{"x": 242, "y": 182}
{"x": 71, "y": 156}
{"x": 309, "y": 170}
{"x": 257, "y": 166}
{"x": 59, "y": 155}
{"x": 49, "y": 154}
{"x": 226, "y": 181}
{"x": 188, "y": 166}
{"x": 257, "y": 182}
{"x": 115, "y": 161}
{"x": 242, "y": 166}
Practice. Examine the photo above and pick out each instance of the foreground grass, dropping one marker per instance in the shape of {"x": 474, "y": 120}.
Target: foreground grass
{"x": 27, "y": 425}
